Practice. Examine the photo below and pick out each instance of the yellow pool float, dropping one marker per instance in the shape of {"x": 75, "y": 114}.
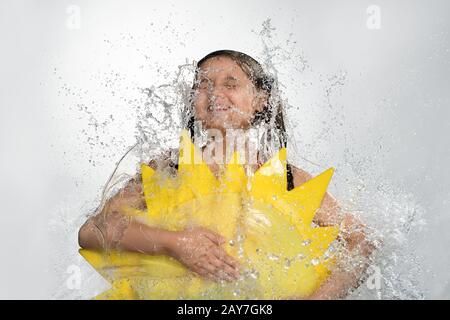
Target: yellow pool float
{"x": 270, "y": 231}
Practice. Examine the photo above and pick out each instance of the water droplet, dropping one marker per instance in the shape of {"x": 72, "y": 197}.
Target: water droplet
{"x": 306, "y": 242}
{"x": 273, "y": 257}
{"x": 315, "y": 262}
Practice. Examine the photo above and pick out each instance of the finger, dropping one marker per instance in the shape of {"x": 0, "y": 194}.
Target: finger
{"x": 209, "y": 272}
{"x": 232, "y": 272}
{"x": 222, "y": 270}
{"x": 230, "y": 261}
{"x": 214, "y": 237}
{"x": 205, "y": 274}
{"x": 227, "y": 272}
{"x": 209, "y": 267}
{"x": 229, "y": 269}
{"x": 216, "y": 270}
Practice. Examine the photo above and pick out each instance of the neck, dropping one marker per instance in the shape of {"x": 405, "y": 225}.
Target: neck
{"x": 221, "y": 144}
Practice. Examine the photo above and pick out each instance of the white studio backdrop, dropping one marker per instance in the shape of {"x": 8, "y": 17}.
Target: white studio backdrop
{"x": 366, "y": 88}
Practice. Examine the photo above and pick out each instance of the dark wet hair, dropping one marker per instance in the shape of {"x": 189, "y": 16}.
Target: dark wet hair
{"x": 262, "y": 81}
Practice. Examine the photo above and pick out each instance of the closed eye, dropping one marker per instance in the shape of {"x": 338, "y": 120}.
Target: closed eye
{"x": 230, "y": 85}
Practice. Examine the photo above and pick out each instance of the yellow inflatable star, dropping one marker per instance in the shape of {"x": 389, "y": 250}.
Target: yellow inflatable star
{"x": 270, "y": 231}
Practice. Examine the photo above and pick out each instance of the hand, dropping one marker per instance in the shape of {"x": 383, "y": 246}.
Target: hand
{"x": 200, "y": 250}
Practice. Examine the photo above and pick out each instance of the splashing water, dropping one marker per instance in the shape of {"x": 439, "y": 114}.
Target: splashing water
{"x": 392, "y": 215}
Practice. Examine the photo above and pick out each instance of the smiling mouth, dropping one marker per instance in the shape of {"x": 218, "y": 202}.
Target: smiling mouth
{"x": 218, "y": 108}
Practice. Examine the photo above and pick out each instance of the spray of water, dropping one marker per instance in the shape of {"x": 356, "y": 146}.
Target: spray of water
{"x": 393, "y": 217}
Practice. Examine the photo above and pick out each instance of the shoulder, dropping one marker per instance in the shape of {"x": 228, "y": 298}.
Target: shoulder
{"x": 329, "y": 212}
{"x": 165, "y": 159}
{"x": 300, "y": 176}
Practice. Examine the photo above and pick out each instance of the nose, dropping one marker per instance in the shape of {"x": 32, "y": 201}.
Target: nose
{"x": 216, "y": 94}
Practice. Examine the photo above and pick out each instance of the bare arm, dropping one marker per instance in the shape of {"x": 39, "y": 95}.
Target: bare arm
{"x": 107, "y": 229}
{"x": 357, "y": 248}
{"x": 198, "y": 249}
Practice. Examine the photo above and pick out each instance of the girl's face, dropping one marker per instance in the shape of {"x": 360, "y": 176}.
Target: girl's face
{"x": 225, "y": 97}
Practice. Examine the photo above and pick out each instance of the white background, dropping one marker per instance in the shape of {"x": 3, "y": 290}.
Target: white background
{"x": 373, "y": 103}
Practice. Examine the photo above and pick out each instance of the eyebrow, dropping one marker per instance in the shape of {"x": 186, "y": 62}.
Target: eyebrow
{"x": 227, "y": 78}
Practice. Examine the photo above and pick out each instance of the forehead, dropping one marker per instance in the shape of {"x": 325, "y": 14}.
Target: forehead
{"x": 221, "y": 67}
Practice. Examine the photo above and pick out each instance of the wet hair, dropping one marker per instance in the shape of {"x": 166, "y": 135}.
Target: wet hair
{"x": 271, "y": 114}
